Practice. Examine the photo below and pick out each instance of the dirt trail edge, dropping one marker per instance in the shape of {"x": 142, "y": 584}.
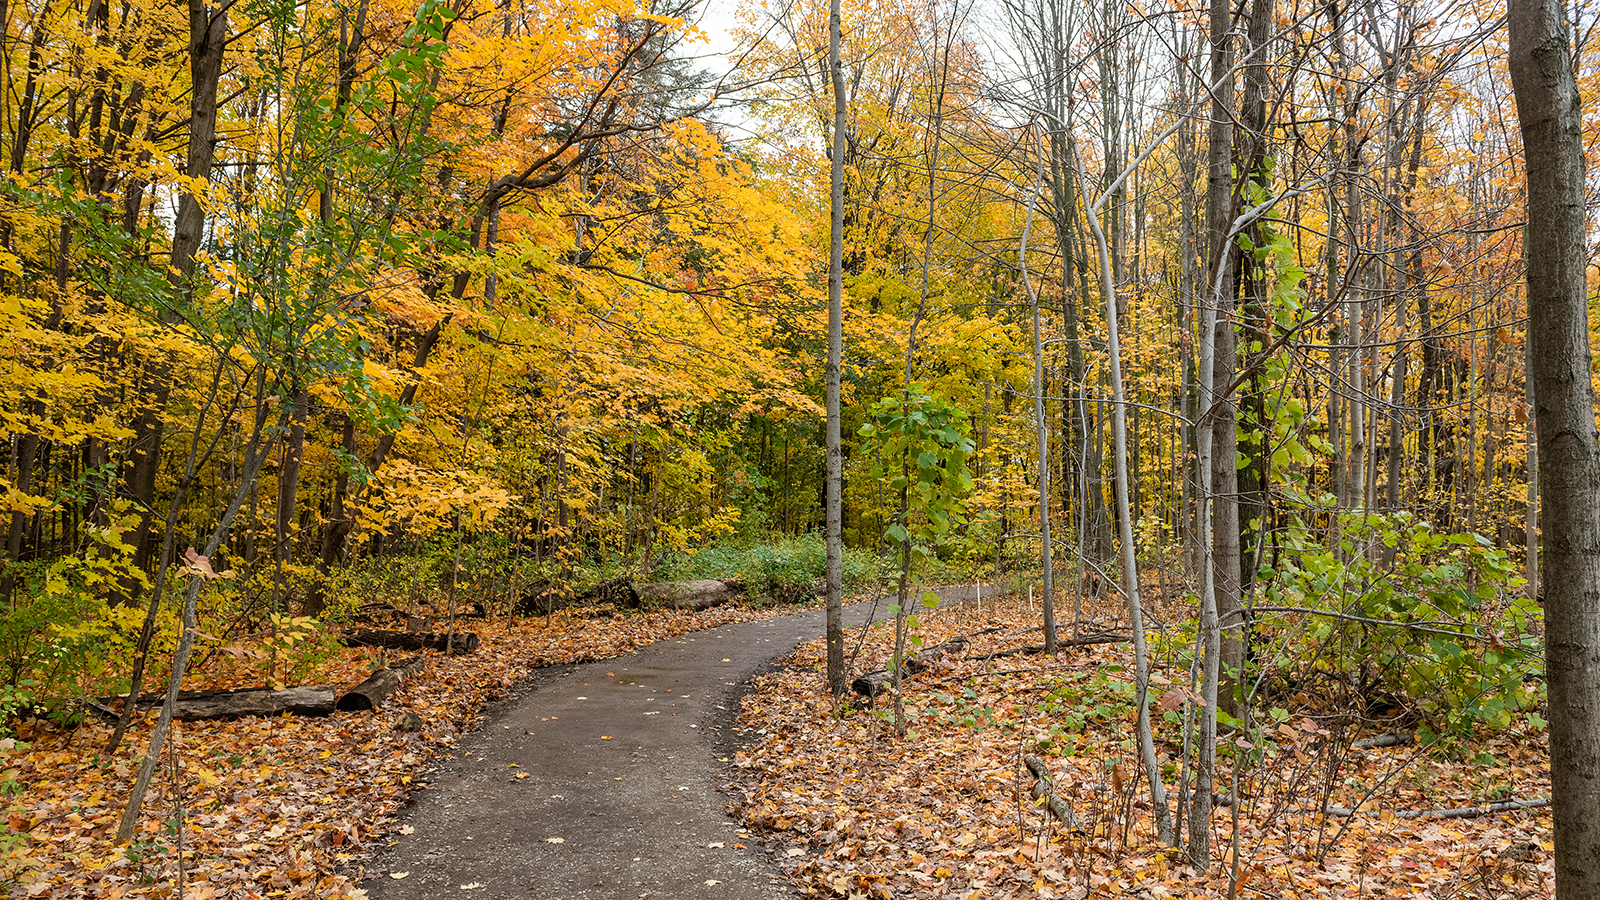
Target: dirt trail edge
{"x": 601, "y": 781}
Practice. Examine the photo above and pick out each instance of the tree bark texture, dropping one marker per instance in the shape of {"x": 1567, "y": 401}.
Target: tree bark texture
{"x": 1569, "y": 452}
{"x": 834, "y": 490}
{"x": 302, "y": 701}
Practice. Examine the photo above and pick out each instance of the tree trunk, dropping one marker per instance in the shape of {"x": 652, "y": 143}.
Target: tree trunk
{"x": 834, "y": 490}
{"x": 1041, "y": 427}
{"x": 208, "y": 38}
{"x": 1548, "y": 107}
{"x": 1130, "y": 565}
{"x": 1216, "y": 373}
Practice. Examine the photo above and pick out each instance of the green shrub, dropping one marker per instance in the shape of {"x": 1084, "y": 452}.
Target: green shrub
{"x": 785, "y": 569}
{"x": 1434, "y": 622}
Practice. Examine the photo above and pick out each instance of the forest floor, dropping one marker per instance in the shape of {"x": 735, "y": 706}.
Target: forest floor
{"x": 855, "y": 811}
{"x": 282, "y": 807}
{"x": 298, "y": 807}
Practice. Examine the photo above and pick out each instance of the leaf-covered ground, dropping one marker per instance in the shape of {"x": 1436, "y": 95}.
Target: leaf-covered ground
{"x": 281, "y": 807}
{"x": 854, "y": 811}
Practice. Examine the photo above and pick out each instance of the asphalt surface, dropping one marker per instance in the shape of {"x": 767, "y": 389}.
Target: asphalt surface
{"x": 601, "y": 781}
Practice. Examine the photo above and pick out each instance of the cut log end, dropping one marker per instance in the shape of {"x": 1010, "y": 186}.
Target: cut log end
{"x": 370, "y": 694}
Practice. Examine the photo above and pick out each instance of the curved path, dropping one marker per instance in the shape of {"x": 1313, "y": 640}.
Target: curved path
{"x": 601, "y": 781}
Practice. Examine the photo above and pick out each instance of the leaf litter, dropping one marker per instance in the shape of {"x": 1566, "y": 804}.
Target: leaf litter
{"x": 851, "y": 811}
{"x": 277, "y": 807}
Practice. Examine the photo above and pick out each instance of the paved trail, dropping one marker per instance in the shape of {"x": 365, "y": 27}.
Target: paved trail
{"x": 620, "y": 798}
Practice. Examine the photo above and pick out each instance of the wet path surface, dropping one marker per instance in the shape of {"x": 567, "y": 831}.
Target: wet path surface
{"x": 600, "y": 781}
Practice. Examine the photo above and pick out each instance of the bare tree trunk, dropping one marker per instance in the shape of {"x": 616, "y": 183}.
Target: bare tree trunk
{"x": 208, "y": 36}
{"x": 257, "y": 449}
{"x": 1041, "y": 427}
{"x": 837, "y": 677}
{"x": 1219, "y": 516}
{"x": 1548, "y": 107}
{"x": 1130, "y": 564}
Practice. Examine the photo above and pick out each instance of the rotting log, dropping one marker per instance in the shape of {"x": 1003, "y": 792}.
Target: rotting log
{"x": 373, "y": 613}
{"x": 544, "y": 597}
{"x": 871, "y": 684}
{"x": 688, "y": 595}
{"x": 1382, "y": 740}
{"x": 462, "y": 642}
{"x": 316, "y": 700}
{"x": 617, "y": 591}
{"x": 1043, "y": 790}
{"x": 1099, "y": 637}
{"x": 379, "y": 685}
{"x": 1460, "y": 812}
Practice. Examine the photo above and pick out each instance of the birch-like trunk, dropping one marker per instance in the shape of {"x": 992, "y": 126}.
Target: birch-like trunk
{"x": 1130, "y": 564}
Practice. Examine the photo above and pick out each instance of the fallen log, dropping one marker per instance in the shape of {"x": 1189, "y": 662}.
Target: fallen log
{"x": 690, "y": 595}
{"x": 1460, "y": 812}
{"x": 378, "y": 612}
{"x": 191, "y": 705}
{"x": 1382, "y": 740}
{"x": 375, "y": 613}
{"x": 1043, "y": 790}
{"x": 463, "y": 641}
{"x": 618, "y": 592}
{"x": 1088, "y": 640}
{"x": 876, "y": 682}
{"x": 544, "y": 597}
{"x": 379, "y": 685}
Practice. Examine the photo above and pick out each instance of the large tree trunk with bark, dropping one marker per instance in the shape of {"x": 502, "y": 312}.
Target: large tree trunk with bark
{"x": 208, "y": 39}
{"x": 1569, "y": 452}
{"x": 834, "y": 490}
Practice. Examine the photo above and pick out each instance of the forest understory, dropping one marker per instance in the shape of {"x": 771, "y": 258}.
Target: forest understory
{"x": 951, "y": 810}
{"x": 294, "y": 806}
{"x": 287, "y": 806}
